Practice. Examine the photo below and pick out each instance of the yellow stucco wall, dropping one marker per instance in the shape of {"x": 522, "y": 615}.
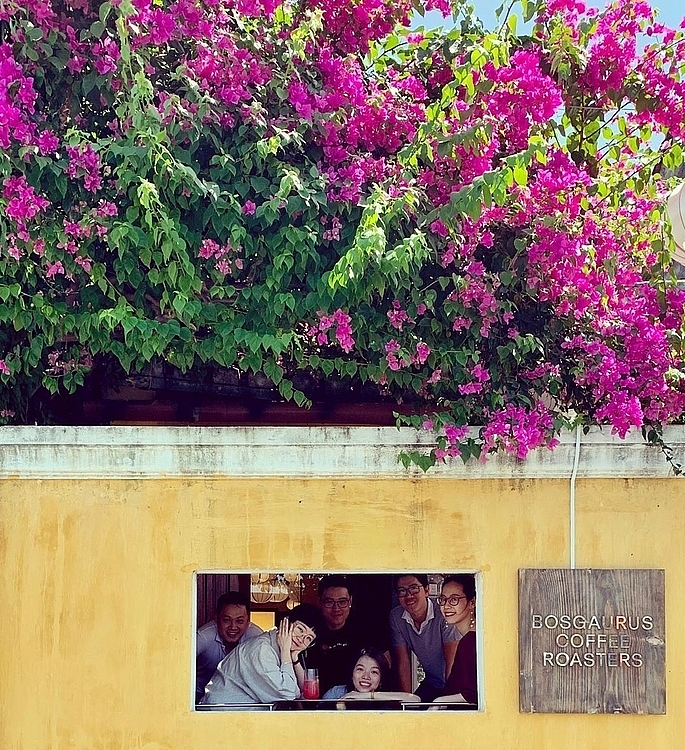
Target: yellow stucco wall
{"x": 96, "y": 599}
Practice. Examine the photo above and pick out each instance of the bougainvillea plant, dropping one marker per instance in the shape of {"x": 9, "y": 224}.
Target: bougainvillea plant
{"x": 470, "y": 221}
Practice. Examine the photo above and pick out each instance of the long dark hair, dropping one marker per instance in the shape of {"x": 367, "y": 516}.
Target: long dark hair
{"x": 380, "y": 658}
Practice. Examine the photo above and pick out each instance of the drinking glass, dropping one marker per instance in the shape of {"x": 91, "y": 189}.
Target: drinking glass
{"x": 311, "y": 685}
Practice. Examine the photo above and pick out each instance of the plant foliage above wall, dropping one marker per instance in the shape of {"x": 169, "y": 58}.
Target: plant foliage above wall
{"x": 469, "y": 221}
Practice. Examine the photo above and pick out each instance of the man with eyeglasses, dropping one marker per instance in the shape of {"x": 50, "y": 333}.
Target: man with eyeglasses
{"x": 340, "y": 640}
{"x": 418, "y": 626}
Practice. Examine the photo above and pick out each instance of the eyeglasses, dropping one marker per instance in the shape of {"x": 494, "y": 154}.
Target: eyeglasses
{"x": 340, "y": 603}
{"x": 453, "y": 600}
{"x": 305, "y": 634}
{"x": 412, "y": 590}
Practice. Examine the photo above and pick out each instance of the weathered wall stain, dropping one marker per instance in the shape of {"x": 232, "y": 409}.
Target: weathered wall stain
{"x": 96, "y": 599}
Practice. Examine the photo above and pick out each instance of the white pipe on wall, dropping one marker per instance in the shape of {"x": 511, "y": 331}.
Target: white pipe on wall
{"x": 572, "y": 502}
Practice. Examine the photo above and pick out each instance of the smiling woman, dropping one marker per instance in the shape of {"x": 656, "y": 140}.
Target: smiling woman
{"x": 458, "y": 605}
{"x": 381, "y": 641}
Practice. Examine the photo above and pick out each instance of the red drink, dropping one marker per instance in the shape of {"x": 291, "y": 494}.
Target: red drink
{"x": 310, "y": 691}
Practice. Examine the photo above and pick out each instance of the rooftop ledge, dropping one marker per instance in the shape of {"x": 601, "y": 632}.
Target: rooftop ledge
{"x": 152, "y": 452}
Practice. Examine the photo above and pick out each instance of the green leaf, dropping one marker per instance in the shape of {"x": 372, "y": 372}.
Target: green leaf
{"x": 520, "y": 175}
{"x": 179, "y": 304}
{"x": 273, "y": 371}
{"x": 285, "y": 388}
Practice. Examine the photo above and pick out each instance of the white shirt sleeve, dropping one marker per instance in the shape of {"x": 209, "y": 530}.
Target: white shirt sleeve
{"x": 269, "y": 680}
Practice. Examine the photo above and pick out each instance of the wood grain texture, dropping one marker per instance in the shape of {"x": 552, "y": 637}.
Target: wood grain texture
{"x": 606, "y": 665}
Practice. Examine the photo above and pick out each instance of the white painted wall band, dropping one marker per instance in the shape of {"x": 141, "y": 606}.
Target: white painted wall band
{"x": 151, "y": 452}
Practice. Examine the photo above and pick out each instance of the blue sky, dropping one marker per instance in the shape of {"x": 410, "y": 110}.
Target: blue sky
{"x": 671, "y": 12}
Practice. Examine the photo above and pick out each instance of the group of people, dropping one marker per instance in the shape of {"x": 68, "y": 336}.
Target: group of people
{"x": 238, "y": 663}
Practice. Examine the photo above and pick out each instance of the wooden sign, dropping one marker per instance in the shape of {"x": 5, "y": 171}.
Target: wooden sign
{"x": 592, "y": 641}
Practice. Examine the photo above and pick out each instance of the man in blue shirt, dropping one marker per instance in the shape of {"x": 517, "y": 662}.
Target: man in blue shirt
{"x": 418, "y": 626}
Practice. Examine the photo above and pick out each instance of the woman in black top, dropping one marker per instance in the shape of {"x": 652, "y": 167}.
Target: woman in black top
{"x": 458, "y": 605}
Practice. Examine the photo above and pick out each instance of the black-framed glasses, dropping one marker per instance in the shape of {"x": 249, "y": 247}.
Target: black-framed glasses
{"x": 453, "y": 600}
{"x": 330, "y": 603}
{"x": 412, "y": 590}
{"x": 304, "y": 632}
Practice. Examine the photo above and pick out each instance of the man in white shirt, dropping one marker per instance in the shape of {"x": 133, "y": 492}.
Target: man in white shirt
{"x": 217, "y": 638}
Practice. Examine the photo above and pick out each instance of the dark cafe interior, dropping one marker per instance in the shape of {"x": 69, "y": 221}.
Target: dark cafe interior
{"x": 361, "y": 611}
